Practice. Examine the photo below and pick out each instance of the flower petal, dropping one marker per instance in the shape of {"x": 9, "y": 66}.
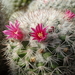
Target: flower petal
{"x": 39, "y": 33}
{"x": 8, "y": 37}
{"x": 33, "y": 29}
{"x": 14, "y": 31}
{"x": 17, "y": 23}
{"x": 7, "y": 32}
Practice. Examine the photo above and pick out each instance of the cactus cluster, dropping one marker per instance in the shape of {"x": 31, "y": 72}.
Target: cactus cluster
{"x": 10, "y": 6}
{"x": 48, "y": 44}
{"x": 57, "y": 4}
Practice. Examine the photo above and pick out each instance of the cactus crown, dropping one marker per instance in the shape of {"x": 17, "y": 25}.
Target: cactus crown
{"x": 44, "y": 51}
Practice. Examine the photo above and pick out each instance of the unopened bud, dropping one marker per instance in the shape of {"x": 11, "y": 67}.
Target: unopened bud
{"x": 32, "y": 59}
{"x": 51, "y": 29}
{"x": 41, "y": 50}
{"x": 65, "y": 49}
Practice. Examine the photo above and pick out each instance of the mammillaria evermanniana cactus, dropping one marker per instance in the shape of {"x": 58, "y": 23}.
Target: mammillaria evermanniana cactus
{"x": 57, "y": 4}
{"x": 10, "y": 6}
{"x": 41, "y": 42}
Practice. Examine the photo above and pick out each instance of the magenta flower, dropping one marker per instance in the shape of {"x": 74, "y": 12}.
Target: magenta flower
{"x": 69, "y": 15}
{"x": 13, "y": 31}
{"x": 39, "y": 33}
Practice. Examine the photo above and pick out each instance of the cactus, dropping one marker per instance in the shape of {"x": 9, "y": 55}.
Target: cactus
{"x": 10, "y": 6}
{"x": 57, "y": 4}
{"x": 48, "y": 46}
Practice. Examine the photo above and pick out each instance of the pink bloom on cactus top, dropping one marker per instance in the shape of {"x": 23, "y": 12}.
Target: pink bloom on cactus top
{"x": 69, "y": 15}
{"x": 39, "y": 33}
{"x": 13, "y": 31}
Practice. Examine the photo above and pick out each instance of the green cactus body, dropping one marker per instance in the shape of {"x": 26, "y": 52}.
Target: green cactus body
{"x": 49, "y": 57}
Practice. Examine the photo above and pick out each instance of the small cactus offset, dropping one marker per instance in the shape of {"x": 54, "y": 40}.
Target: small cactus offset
{"x": 41, "y": 44}
{"x": 57, "y": 4}
{"x": 10, "y": 6}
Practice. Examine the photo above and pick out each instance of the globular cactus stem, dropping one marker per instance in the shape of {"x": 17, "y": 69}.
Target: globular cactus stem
{"x": 57, "y": 4}
{"x": 50, "y": 44}
{"x": 9, "y": 6}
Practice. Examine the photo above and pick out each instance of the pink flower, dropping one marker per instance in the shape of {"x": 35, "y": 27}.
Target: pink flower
{"x": 13, "y": 31}
{"x": 69, "y": 15}
{"x": 39, "y": 33}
